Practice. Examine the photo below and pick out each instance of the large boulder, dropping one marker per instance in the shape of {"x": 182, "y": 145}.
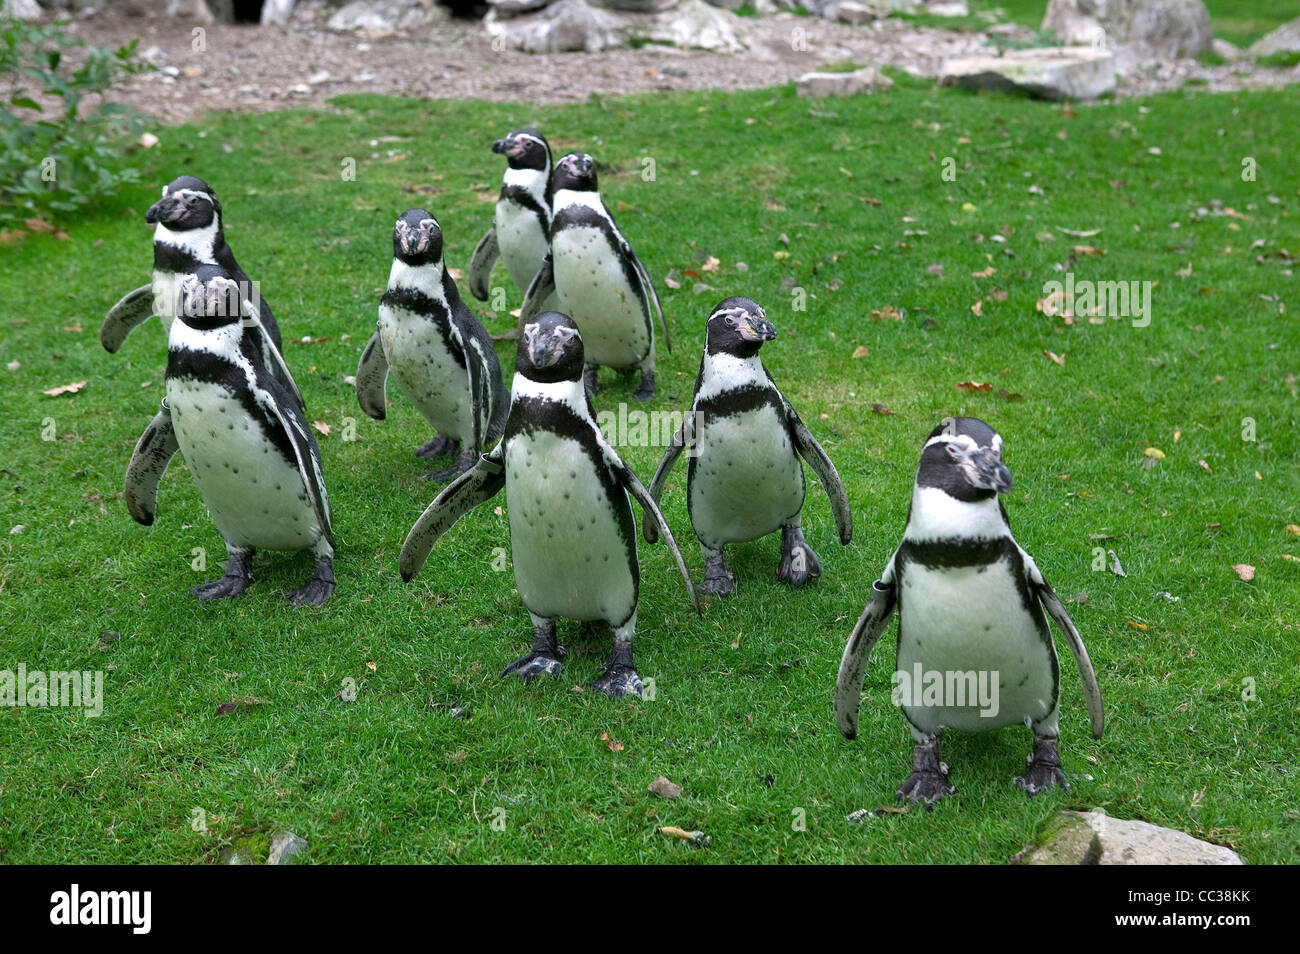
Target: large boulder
{"x": 1138, "y": 31}
{"x": 566, "y": 25}
{"x": 1095, "y": 838}
{"x": 20, "y": 9}
{"x": 1058, "y": 73}
{"x": 386, "y": 16}
{"x": 1285, "y": 39}
{"x": 865, "y": 80}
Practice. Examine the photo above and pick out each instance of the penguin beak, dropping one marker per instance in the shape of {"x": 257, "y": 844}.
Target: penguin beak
{"x": 991, "y": 472}
{"x": 757, "y": 329}
{"x": 500, "y": 146}
{"x": 414, "y": 241}
{"x": 544, "y": 351}
{"x": 164, "y": 211}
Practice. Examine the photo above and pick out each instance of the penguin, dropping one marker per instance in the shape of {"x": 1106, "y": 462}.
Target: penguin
{"x": 520, "y": 231}
{"x": 188, "y": 234}
{"x": 970, "y": 602}
{"x": 572, "y": 528}
{"x": 597, "y": 278}
{"x": 745, "y": 479}
{"x": 437, "y": 350}
{"x": 246, "y": 439}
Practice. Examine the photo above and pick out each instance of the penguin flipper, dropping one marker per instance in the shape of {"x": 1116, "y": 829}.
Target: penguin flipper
{"x": 372, "y": 379}
{"x": 812, "y": 452}
{"x": 649, "y": 297}
{"x": 650, "y": 509}
{"x": 539, "y": 289}
{"x": 153, "y": 452}
{"x": 857, "y": 652}
{"x": 486, "y": 253}
{"x": 268, "y": 345}
{"x": 132, "y": 309}
{"x": 1091, "y": 691}
{"x": 480, "y": 483}
{"x": 684, "y": 434}
{"x": 292, "y": 417}
{"x": 488, "y": 392}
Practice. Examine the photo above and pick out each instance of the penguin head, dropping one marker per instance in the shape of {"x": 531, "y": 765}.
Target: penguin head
{"x": 550, "y": 349}
{"x": 576, "y": 172}
{"x": 738, "y": 326}
{"x": 963, "y": 457}
{"x": 417, "y": 238}
{"x": 525, "y": 149}
{"x": 209, "y": 299}
{"x": 187, "y": 203}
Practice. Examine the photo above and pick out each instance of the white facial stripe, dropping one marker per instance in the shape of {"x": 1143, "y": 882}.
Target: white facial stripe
{"x": 530, "y": 137}
{"x": 188, "y": 194}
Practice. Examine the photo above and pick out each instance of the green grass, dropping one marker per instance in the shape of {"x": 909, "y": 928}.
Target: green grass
{"x": 742, "y": 718}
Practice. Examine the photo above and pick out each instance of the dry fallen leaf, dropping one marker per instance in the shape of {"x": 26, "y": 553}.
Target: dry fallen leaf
{"x": 1245, "y": 571}
{"x": 1288, "y": 556}
{"x": 978, "y": 308}
{"x": 661, "y": 786}
{"x": 322, "y": 427}
{"x": 1293, "y": 528}
{"x": 66, "y": 389}
{"x": 881, "y": 409}
{"x": 672, "y": 282}
{"x": 1086, "y": 250}
{"x": 888, "y": 313}
{"x": 980, "y": 386}
{"x": 710, "y": 264}
{"x": 694, "y": 837}
{"x": 1142, "y": 626}
{"x": 614, "y": 744}
{"x": 247, "y": 702}
{"x": 984, "y": 274}
{"x": 861, "y": 351}
{"x": 1056, "y": 358}
{"x": 1115, "y": 566}
{"x": 1155, "y": 452}
{"x": 1205, "y": 466}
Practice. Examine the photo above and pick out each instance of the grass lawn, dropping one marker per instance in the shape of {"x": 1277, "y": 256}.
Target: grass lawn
{"x": 742, "y": 715}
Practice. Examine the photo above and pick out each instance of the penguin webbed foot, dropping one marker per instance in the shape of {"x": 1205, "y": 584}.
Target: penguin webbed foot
{"x": 238, "y": 578}
{"x": 799, "y": 562}
{"x": 1045, "y": 771}
{"x": 647, "y": 389}
{"x": 544, "y": 660}
{"x": 318, "y": 589}
{"x": 718, "y": 580}
{"x": 440, "y": 446}
{"x": 929, "y": 779}
{"x": 464, "y": 462}
{"x": 620, "y": 677}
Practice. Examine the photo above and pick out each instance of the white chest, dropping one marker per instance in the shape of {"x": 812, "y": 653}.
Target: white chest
{"x": 592, "y": 288}
{"x": 255, "y": 496}
{"x": 567, "y": 535}
{"x": 426, "y": 371}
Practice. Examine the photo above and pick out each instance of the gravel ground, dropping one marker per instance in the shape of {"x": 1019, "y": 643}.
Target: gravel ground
{"x": 267, "y": 67}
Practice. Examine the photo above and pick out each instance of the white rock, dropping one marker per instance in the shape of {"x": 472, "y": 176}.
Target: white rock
{"x": 1096, "y": 838}
{"x": 1228, "y": 51}
{"x": 566, "y": 25}
{"x": 512, "y": 8}
{"x": 865, "y": 80}
{"x": 1139, "y": 31}
{"x": 20, "y": 9}
{"x": 276, "y": 12}
{"x": 948, "y": 8}
{"x": 850, "y": 11}
{"x": 386, "y": 16}
{"x": 1077, "y": 72}
{"x": 1285, "y": 39}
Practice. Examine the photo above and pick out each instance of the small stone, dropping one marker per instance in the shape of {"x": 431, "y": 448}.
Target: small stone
{"x": 865, "y": 80}
{"x": 1095, "y": 838}
{"x": 285, "y": 848}
{"x": 661, "y": 786}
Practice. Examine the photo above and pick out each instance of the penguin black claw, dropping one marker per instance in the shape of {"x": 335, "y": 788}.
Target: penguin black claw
{"x": 544, "y": 660}
{"x": 620, "y": 677}
{"x": 647, "y": 389}
{"x": 799, "y": 562}
{"x": 238, "y": 578}
{"x": 438, "y": 447}
{"x": 464, "y": 462}
{"x": 1045, "y": 771}
{"x": 318, "y": 589}
{"x": 929, "y": 779}
{"x": 718, "y": 580}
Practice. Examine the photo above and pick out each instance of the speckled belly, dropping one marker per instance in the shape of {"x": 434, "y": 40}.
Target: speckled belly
{"x": 427, "y": 373}
{"x": 592, "y": 290}
{"x": 567, "y": 539}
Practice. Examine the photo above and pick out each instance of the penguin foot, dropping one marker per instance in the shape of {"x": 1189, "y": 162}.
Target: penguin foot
{"x": 239, "y": 577}
{"x": 799, "y": 562}
{"x": 544, "y": 660}
{"x": 318, "y": 589}
{"x": 463, "y": 463}
{"x": 1045, "y": 772}
{"x": 620, "y": 678}
{"x": 929, "y": 779}
{"x": 647, "y": 389}
{"x": 438, "y": 447}
{"x": 589, "y": 381}
{"x": 718, "y": 580}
